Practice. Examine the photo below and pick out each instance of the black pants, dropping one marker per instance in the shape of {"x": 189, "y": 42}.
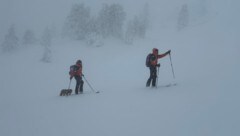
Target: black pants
{"x": 79, "y": 84}
{"x": 153, "y": 76}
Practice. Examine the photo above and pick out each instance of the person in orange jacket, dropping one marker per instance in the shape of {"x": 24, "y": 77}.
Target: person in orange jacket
{"x": 76, "y": 72}
{"x": 153, "y": 64}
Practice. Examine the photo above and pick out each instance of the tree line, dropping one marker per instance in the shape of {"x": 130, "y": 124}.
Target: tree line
{"x": 110, "y": 22}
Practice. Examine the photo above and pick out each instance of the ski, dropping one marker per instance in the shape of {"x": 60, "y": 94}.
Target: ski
{"x": 168, "y": 85}
{"x": 73, "y": 94}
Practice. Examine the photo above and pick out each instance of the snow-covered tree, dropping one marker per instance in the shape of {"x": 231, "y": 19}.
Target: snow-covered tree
{"x": 46, "y": 42}
{"x": 93, "y": 36}
{"x": 11, "y": 41}
{"x": 130, "y": 33}
{"x": 47, "y": 55}
{"x": 77, "y": 22}
{"x": 111, "y": 19}
{"x": 134, "y": 30}
{"x": 144, "y": 19}
{"x": 46, "y": 39}
{"x": 29, "y": 37}
{"x": 137, "y": 27}
{"x": 183, "y": 18}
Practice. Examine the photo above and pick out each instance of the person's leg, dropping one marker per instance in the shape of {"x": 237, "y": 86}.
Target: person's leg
{"x": 77, "y": 84}
{"x": 81, "y": 85}
{"x": 154, "y": 76}
{"x": 150, "y": 78}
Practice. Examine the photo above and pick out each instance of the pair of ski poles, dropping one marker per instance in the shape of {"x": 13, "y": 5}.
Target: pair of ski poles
{"x": 171, "y": 66}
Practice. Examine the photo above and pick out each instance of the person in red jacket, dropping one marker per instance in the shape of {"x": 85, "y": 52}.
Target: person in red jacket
{"x": 154, "y": 56}
{"x": 76, "y": 72}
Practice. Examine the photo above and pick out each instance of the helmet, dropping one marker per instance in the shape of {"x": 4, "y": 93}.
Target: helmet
{"x": 79, "y": 62}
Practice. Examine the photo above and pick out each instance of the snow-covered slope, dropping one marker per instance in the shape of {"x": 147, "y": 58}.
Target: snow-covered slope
{"x": 205, "y": 101}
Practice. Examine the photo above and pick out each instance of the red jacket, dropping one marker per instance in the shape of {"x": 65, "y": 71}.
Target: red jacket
{"x": 157, "y": 56}
{"x": 76, "y": 70}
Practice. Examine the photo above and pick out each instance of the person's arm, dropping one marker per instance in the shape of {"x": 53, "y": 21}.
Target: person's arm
{"x": 73, "y": 71}
{"x": 71, "y": 74}
{"x": 163, "y": 55}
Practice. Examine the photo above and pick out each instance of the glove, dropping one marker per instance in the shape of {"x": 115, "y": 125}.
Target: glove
{"x": 168, "y": 52}
{"x": 158, "y": 65}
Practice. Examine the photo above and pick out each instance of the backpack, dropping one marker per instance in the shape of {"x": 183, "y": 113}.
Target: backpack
{"x": 73, "y": 69}
{"x": 148, "y": 62}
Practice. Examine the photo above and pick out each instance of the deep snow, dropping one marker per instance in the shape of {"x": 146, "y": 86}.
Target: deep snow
{"x": 205, "y": 101}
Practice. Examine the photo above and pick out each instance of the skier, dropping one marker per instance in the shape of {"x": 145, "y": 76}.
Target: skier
{"x": 152, "y": 63}
{"x": 76, "y": 72}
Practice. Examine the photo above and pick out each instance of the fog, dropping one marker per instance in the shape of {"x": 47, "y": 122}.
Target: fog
{"x": 36, "y": 15}
{"x": 202, "y": 34}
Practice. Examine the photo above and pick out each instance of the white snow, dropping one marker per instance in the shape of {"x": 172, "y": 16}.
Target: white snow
{"x": 205, "y": 101}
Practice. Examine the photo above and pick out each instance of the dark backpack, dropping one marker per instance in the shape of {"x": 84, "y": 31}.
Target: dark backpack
{"x": 73, "y": 69}
{"x": 148, "y": 59}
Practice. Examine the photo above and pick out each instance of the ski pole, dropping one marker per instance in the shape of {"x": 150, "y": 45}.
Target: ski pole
{"x": 69, "y": 83}
{"x": 90, "y": 85}
{"x": 171, "y": 65}
{"x": 157, "y": 76}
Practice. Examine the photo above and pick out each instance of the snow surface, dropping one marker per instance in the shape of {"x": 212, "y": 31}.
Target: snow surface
{"x": 205, "y": 101}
